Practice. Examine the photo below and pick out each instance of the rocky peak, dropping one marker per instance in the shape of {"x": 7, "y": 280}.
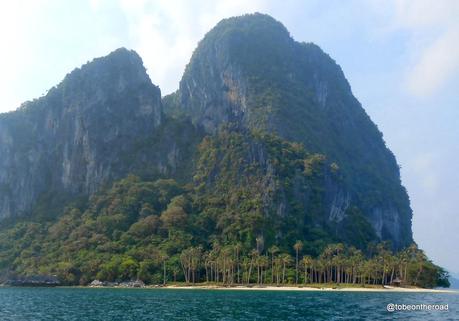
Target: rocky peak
{"x": 214, "y": 87}
{"x": 118, "y": 72}
{"x": 104, "y": 121}
{"x": 248, "y": 70}
{"x": 76, "y": 138}
{"x": 245, "y": 69}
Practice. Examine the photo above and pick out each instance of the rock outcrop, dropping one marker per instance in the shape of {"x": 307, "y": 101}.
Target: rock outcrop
{"x": 36, "y": 280}
{"x": 248, "y": 70}
{"x": 102, "y": 122}
{"x": 106, "y": 120}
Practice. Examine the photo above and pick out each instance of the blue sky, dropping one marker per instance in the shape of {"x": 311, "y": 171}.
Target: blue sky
{"x": 401, "y": 58}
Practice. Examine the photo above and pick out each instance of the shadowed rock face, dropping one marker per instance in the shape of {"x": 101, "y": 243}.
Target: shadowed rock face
{"x": 76, "y": 137}
{"x": 248, "y": 70}
{"x": 105, "y": 120}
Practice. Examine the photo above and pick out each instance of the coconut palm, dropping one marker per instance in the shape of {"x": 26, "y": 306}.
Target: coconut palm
{"x": 286, "y": 261}
{"x": 403, "y": 259}
{"x": 273, "y": 250}
{"x": 164, "y": 258}
{"x": 263, "y": 263}
{"x": 237, "y": 249}
{"x": 307, "y": 262}
{"x": 298, "y": 246}
{"x": 253, "y": 256}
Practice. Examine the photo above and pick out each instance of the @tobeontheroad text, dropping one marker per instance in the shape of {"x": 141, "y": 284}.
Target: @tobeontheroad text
{"x": 391, "y": 307}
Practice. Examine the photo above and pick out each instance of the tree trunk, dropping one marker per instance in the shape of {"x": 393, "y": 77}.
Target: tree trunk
{"x": 250, "y": 271}
{"x": 238, "y": 269}
{"x": 185, "y": 274}
{"x": 296, "y": 266}
{"x": 283, "y": 274}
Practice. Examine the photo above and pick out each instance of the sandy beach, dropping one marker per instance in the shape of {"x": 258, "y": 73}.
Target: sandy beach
{"x": 294, "y": 288}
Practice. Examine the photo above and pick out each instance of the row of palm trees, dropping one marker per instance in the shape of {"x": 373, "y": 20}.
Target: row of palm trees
{"x": 336, "y": 264}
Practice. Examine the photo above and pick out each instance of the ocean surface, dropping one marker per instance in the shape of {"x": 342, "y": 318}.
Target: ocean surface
{"x": 24, "y": 304}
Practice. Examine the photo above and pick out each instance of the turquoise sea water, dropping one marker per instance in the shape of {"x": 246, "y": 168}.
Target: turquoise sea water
{"x": 24, "y": 304}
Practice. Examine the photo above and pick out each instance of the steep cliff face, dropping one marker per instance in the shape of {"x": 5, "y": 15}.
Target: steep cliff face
{"x": 97, "y": 125}
{"x": 285, "y": 150}
{"x": 249, "y": 71}
{"x": 272, "y": 189}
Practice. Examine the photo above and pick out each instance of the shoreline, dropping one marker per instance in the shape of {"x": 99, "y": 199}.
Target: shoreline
{"x": 387, "y": 289}
{"x": 305, "y": 288}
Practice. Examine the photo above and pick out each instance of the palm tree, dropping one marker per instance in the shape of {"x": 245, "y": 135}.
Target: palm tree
{"x": 392, "y": 262}
{"x": 307, "y": 261}
{"x": 195, "y": 261}
{"x": 326, "y": 258}
{"x": 339, "y": 260}
{"x": 312, "y": 273}
{"x": 383, "y": 258}
{"x": 245, "y": 267}
{"x": 403, "y": 259}
{"x": 215, "y": 253}
{"x": 355, "y": 260}
{"x": 297, "y": 247}
{"x": 185, "y": 261}
{"x": 420, "y": 259}
{"x": 366, "y": 272}
{"x": 164, "y": 258}
{"x": 263, "y": 262}
{"x": 225, "y": 256}
{"x": 238, "y": 248}
{"x": 286, "y": 260}
{"x": 273, "y": 250}
{"x": 347, "y": 269}
{"x": 258, "y": 261}
{"x": 277, "y": 267}
{"x": 254, "y": 255}
{"x": 207, "y": 259}
{"x": 320, "y": 267}
{"x": 175, "y": 272}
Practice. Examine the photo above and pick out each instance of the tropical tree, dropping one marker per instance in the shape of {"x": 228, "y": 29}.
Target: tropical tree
{"x": 307, "y": 265}
{"x": 273, "y": 250}
{"x": 297, "y": 247}
{"x": 163, "y": 258}
{"x": 286, "y": 261}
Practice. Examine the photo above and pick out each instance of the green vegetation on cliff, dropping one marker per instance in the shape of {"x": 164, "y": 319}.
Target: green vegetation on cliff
{"x": 249, "y": 70}
{"x": 261, "y": 155}
{"x": 236, "y": 222}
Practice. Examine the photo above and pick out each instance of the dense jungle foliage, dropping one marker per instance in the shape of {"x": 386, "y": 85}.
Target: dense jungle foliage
{"x": 219, "y": 228}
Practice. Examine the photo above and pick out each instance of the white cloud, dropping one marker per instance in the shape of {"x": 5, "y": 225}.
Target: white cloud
{"x": 425, "y": 13}
{"x": 44, "y": 39}
{"x": 438, "y": 63}
{"x": 165, "y": 33}
{"x": 16, "y": 19}
{"x": 434, "y": 27}
{"x": 431, "y": 29}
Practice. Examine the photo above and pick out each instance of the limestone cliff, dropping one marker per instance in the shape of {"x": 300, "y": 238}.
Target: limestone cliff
{"x": 285, "y": 149}
{"x": 97, "y": 125}
{"x": 248, "y": 70}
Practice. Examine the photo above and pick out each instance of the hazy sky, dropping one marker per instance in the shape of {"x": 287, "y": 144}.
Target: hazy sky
{"x": 400, "y": 57}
